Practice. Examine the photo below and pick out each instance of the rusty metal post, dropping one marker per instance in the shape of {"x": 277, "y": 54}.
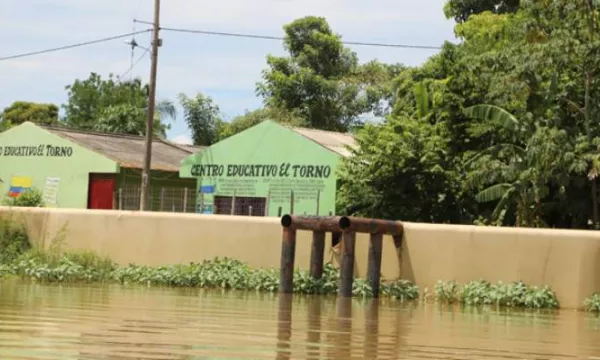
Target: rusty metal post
{"x": 185, "y": 199}
{"x": 311, "y": 223}
{"x": 314, "y": 328}
{"x": 372, "y": 335}
{"x": 316, "y": 254}
{"x": 347, "y": 264}
{"x": 371, "y": 226}
{"x": 398, "y": 245}
{"x": 374, "y": 266}
{"x": 288, "y": 255}
{"x": 284, "y": 327}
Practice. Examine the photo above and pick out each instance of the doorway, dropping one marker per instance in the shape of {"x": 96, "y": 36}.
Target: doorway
{"x": 101, "y": 191}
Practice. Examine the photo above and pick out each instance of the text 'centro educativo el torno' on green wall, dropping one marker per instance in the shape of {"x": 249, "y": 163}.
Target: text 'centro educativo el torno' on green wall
{"x": 273, "y": 182}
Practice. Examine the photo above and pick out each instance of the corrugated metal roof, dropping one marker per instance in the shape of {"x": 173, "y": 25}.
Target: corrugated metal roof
{"x": 334, "y": 141}
{"x": 128, "y": 150}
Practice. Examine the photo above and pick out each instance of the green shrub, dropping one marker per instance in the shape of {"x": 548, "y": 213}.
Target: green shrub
{"x": 13, "y": 239}
{"x": 29, "y": 198}
{"x": 511, "y": 295}
{"x": 446, "y": 292}
{"x": 401, "y": 290}
{"x": 592, "y": 304}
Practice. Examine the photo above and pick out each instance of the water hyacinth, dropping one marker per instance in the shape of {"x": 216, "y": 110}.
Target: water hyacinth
{"x": 510, "y": 295}
{"x": 592, "y": 304}
{"x": 220, "y": 273}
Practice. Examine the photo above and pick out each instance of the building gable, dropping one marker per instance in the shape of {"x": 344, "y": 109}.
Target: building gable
{"x": 267, "y": 164}
{"x": 35, "y": 157}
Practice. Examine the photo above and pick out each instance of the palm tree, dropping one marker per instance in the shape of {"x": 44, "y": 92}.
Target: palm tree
{"x": 521, "y": 171}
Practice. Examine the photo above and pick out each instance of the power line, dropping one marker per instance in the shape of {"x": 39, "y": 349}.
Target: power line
{"x": 10, "y": 57}
{"x": 133, "y": 65}
{"x": 279, "y": 38}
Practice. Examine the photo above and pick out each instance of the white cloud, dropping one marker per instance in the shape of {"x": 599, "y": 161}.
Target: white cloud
{"x": 183, "y": 139}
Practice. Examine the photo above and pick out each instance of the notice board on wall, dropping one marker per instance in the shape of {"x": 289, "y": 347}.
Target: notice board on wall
{"x": 51, "y": 191}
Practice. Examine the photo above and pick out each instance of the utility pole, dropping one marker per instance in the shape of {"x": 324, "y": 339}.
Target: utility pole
{"x": 144, "y": 194}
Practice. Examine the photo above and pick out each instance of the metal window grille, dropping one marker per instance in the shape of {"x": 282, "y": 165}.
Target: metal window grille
{"x": 163, "y": 199}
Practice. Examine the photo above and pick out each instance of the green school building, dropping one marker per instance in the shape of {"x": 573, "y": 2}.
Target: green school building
{"x": 268, "y": 170}
{"x": 88, "y": 170}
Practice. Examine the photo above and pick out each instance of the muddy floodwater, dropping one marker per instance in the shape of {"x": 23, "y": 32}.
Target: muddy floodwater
{"x": 114, "y": 322}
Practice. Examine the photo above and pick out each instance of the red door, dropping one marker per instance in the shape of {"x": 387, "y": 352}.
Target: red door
{"x": 102, "y": 190}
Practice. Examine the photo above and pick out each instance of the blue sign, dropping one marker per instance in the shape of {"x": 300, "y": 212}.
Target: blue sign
{"x": 207, "y": 189}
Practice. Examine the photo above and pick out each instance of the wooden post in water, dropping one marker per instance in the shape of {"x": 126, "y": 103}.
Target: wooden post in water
{"x": 288, "y": 255}
{"x": 374, "y": 266}
{"x": 284, "y": 327}
{"x": 347, "y": 264}
{"x": 398, "y": 245}
{"x": 316, "y": 254}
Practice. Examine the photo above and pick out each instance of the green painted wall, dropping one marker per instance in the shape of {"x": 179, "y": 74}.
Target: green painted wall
{"x": 268, "y": 160}
{"x": 30, "y": 152}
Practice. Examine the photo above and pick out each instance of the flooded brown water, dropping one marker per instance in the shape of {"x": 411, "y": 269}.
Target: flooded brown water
{"x": 113, "y": 322}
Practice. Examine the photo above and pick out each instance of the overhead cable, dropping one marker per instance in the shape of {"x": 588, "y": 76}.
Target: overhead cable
{"x": 66, "y": 47}
{"x": 279, "y": 38}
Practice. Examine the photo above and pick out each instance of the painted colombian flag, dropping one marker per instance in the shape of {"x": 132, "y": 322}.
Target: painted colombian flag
{"x": 18, "y": 185}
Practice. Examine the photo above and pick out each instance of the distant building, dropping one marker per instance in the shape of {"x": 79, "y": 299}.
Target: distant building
{"x": 90, "y": 170}
{"x": 268, "y": 170}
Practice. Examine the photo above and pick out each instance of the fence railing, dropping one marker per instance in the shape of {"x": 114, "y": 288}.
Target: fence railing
{"x": 164, "y": 199}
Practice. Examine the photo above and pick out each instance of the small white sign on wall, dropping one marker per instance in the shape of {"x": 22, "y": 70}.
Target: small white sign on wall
{"x": 51, "y": 191}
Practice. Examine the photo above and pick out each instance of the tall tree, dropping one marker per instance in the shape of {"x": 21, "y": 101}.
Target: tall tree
{"x": 461, "y": 10}
{"x": 203, "y": 118}
{"x": 21, "y": 111}
{"x": 109, "y": 105}
{"x": 319, "y": 80}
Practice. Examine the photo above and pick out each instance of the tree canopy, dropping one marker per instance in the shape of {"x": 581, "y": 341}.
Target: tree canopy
{"x": 109, "y": 105}
{"x": 22, "y": 111}
{"x": 511, "y": 112}
{"x": 321, "y": 81}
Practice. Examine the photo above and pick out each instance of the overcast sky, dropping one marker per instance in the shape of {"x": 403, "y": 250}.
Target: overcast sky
{"x": 225, "y": 68}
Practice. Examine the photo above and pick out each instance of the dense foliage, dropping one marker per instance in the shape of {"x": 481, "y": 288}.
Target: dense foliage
{"x": 512, "y": 295}
{"x": 22, "y": 111}
{"x": 30, "y": 198}
{"x": 498, "y": 129}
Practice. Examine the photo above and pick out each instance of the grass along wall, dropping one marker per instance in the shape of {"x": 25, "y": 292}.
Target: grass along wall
{"x": 567, "y": 261}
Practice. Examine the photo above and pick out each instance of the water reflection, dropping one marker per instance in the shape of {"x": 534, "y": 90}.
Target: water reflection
{"x": 112, "y": 322}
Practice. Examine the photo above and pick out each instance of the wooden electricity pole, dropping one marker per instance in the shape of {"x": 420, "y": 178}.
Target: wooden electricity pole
{"x": 144, "y": 195}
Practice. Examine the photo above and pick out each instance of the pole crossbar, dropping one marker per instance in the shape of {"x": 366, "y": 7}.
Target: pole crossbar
{"x": 342, "y": 223}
